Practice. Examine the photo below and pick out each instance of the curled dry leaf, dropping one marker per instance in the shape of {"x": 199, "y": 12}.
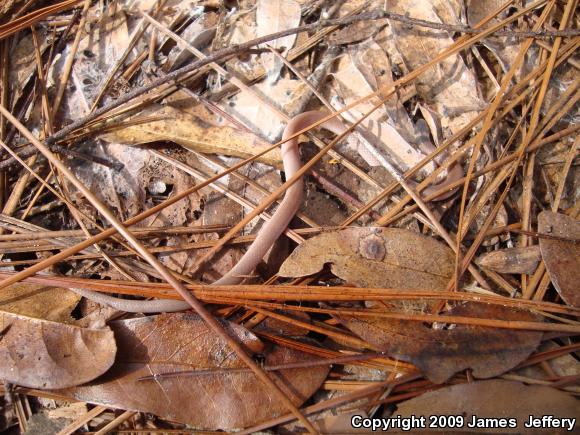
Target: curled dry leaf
{"x": 512, "y": 260}
{"x": 495, "y": 399}
{"x": 375, "y": 257}
{"x": 171, "y": 124}
{"x": 562, "y": 258}
{"x": 397, "y": 258}
{"x": 219, "y": 396}
{"x": 440, "y": 353}
{"x": 41, "y": 354}
{"x": 39, "y": 301}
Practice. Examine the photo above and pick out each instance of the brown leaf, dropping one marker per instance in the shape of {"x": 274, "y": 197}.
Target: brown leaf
{"x": 354, "y": 80}
{"x": 390, "y": 257}
{"x": 450, "y": 87}
{"x": 478, "y": 10}
{"x": 375, "y": 257}
{"x": 269, "y": 325}
{"x": 341, "y": 423}
{"x": 494, "y": 399}
{"x": 562, "y": 259}
{"x": 39, "y": 301}
{"x": 171, "y": 124}
{"x": 275, "y": 16}
{"x": 512, "y": 260}
{"x": 41, "y": 354}
{"x": 357, "y": 31}
{"x": 440, "y": 353}
{"x": 220, "y": 398}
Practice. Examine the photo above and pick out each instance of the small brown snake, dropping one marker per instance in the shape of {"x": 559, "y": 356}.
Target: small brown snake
{"x": 270, "y": 231}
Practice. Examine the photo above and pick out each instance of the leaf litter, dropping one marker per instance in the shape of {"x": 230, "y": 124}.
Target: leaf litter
{"x": 466, "y": 305}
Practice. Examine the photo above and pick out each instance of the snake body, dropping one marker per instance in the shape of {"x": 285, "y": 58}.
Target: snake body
{"x": 271, "y": 229}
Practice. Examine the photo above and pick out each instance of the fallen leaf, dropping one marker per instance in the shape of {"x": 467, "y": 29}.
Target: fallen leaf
{"x": 478, "y": 10}
{"x": 449, "y": 87}
{"x": 171, "y": 124}
{"x": 198, "y": 34}
{"x": 375, "y": 257}
{"x": 274, "y": 16}
{"x": 220, "y": 397}
{"x": 354, "y": 81}
{"x": 39, "y": 301}
{"x": 493, "y": 399}
{"x": 105, "y": 42}
{"x": 357, "y": 31}
{"x": 512, "y": 260}
{"x": 397, "y": 258}
{"x": 262, "y": 118}
{"x": 341, "y": 423}
{"x": 42, "y": 354}
{"x": 562, "y": 259}
{"x": 23, "y": 64}
{"x": 440, "y": 353}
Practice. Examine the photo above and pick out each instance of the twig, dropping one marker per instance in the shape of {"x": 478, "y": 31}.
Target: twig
{"x": 385, "y": 93}
{"x": 211, "y": 321}
{"x": 82, "y": 420}
{"x": 115, "y": 423}
{"x": 235, "y": 50}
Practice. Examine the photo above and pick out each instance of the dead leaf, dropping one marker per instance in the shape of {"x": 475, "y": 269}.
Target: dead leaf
{"x": 39, "y": 301}
{"x": 198, "y": 34}
{"x": 355, "y": 80}
{"x": 440, "y": 353}
{"x": 341, "y": 423}
{"x": 220, "y": 398}
{"x": 23, "y": 64}
{"x": 357, "y": 31}
{"x": 41, "y": 354}
{"x": 375, "y": 257}
{"x": 512, "y": 260}
{"x": 274, "y": 16}
{"x": 450, "y": 87}
{"x": 478, "y": 10}
{"x": 495, "y": 399}
{"x": 260, "y": 117}
{"x": 105, "y": 42}
{"x": 170, "y": 124}
{"x": 562, "y": 259}
{"x": 396, "y": 258}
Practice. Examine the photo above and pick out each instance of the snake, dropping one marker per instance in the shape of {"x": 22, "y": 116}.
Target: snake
{"x": 272, "y": 229}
